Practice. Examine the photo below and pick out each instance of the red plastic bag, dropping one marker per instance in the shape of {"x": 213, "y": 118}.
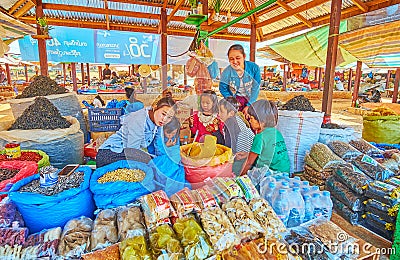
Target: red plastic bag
{"x": 26, "y": 169}
{"x": 197, "y": 175}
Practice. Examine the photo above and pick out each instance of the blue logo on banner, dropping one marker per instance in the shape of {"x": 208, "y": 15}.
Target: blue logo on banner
{"x": 126, "y": 47}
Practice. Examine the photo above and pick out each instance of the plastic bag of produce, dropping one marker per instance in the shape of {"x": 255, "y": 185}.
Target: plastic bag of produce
{"x": 381, "y": 129}
{"x": 344, "y": 211}
{"x": 249, "y": 190}
{"x": 317, "y": 176}
{"x": 344, "y": 150}
{"x": 300, "y": 236}
{"x": 324, "y": 156}
{"x": 382, "y": 210}
{"x": 378, "y": 225}
{"x": 13, "y": 236}
{"x": 204, "y": 198}
{"x": 183, "y": 202}
{"x": 379, "y": 190}
{"x": 112, "y": 189}
{"x": 75, "y": 239}
{"x": 40, "y": 157}
{"x": 130, "y": 222}
{"x": 328, "y": 135}
{"x": 344, "y": 194}
{"x": 242, "y": 219}
{"x": 228, "y": 188}
{"x": 391, "y": 164}
{"x": 164, "y": 243}
{"x": 108, "y": 253}
{"x": 135, "y": 248}
{"x": 104, "y": 231}
{"x": 219, "y": 229}
{"x": 52, "y": 142}
{"x": 300, "y": 131}
{"x": 353, "y": 178}
{"x": 44, "y": 212}
{"x": 42, "y": 244}
{"x": 311, "y": 162}
{"x": 13, "y": 171}
{"x": 267, "y": 217}
{"x": 372, "y": 168}
{"x": 366, "y": 148}
{"x": 9, "y": 214}
{"x": 193, "y": 239}
{"x": 156, "y": 208}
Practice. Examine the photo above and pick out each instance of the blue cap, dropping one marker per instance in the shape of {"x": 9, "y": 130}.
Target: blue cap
{"x": 326, "y": 193}
{"x": 296, "y": 189}
{"x": 307, "y": 197}
{"x": 315, "y": 195}
{"x": 297, "y": 178}
{"x": 306, "y": 183}
{"x": 272, "y": 184}
{"x": 281, "y": 191}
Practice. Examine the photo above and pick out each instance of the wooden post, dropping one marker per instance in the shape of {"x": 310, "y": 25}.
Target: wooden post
{"x": 184, "y": 75}
{"x": 164, "y": 47}
{"x": 284, "y": 77}
{"x": 73, "y": 72}
{"x": 316, "y": 74}
{"x": 26, "y": 73}
{"x": 265, "y": 73}
{"x": 396, "y": 86}
{"x": 8, "y": 73}
{"x": 388, "y": 79}
{"x": 100, "y": 72}
{"x": 205, "y": 6}
{"x": 83, "y": 73}
{"x": 356, "y": 83}
{"x": 41, "y": 42}
{"x": 253, "y": 40}
{"x": 331, "y": 56}
{"x": 350, "y": 77}
{"x": 320, "y": 78}
{"x": 88, "y": 73}
{"x": 64, "y": 73}
{"x": 133, "y": 70}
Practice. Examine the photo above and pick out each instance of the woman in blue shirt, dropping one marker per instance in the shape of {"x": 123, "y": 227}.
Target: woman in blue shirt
{"x": 241, "y": 79}
{"x": 138, "y": 131}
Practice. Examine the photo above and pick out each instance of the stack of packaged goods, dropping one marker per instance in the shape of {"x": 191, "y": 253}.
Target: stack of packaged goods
{"x": 295, "y": 201}
{"x": 381, "y": 206}
{"x": 347, "y": 186}
{"x": 319, "y": 164}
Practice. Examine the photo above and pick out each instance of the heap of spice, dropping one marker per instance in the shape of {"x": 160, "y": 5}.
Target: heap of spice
{"x": 300, "y": 103}
{"x": 42, "y": 86}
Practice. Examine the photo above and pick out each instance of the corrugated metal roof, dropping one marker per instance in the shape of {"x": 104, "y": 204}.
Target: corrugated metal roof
{"x": 7, "y": 4}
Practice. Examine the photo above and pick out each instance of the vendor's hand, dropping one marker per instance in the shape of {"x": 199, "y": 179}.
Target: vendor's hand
{"x": 241, "y": 155}
{"x": 191, "y": 120}
{"x": 170, "y": 143}
{"x": 245, "y": 111}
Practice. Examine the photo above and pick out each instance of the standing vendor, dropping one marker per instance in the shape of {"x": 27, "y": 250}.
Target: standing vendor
{"x": 138, "y": 130}
{"x": 241, "y": 79}
{"x": 107, "y": 72}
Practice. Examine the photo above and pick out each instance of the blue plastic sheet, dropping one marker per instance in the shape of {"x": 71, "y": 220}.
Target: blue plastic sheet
{"x": 119, "y": 193}
{"x": 45, "y": 212}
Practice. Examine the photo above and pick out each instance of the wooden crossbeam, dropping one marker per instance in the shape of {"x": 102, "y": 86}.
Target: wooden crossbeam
{"x": 16, "y": 6}
{"x": 259, "y": 30}
{"x": 128, "y": 27}
{"x": 291, "y": 12}
{"x": 252, "y": 18}
{"x": 176, "y": 8}
{"x": 20, "y": 12}
{"x": 298, "y": 16}
{"x": 107, "y": 17}
{"x": 360, "y": 4}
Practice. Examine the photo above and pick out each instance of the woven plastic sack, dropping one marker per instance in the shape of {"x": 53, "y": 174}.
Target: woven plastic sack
{"x": 45, "y": 161}
{"x": 328, "y": 135}
{"x": 25, "y": 169}
{"x": 45, "y": 212}
{"x": 68, "y": 105}
{"x": 63, "y": 146}
{"x": 120, "y": 193}
{"x": 300, "y": 129}
{"x": 381, "y": 129}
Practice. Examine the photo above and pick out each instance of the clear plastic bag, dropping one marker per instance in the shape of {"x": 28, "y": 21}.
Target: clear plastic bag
{"x": 379, "y": 226}
{"x": 249, "y": 190}
{"x": 344, "y": 150}
{"x": 130, "y": 222}
{"x": 75, "y": 239}
{"x": 381, "y": 189}
{"x": 135, "y": 248}
{"x": 344, "y": 194}
{"x": 300, "y": 236}
{"x": 193, "y": 239}
{"x": 392, "y": 165}
{"x": 344, "y": 211}
{"x": 382, "y": 210}
{"x": 219, "y": 229}
{"x": 311, "y": 162}
{"x": 44, "y": 243}
{"x": 104, "y": 231}
{"x": 366, "y": 148}
{"x": 267, "y": 217}
{"x": 229, "y": 188}
{"x": 242, "y": 218}
{"x": 9, "y": 214}
{"x": 156, "y": 207}
{"x": 353, "y": 178}
{"x": 324, "y": 156}
{"x": 164, "y": 243}
{"x": 183, "y": 202}
{"x": 372, "y": 168}
{"x": 204, "y": 198}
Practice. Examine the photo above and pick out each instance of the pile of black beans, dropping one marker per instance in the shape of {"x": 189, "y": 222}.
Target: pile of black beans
{"x": 42, "y": 86}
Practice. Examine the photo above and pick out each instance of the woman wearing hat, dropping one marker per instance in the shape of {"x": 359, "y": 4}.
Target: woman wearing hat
{"x": 137, "y": 132}
{"x": 241, "y": 79}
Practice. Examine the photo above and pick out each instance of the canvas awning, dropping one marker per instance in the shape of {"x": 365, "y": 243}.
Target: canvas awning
{"x": 377, "y": 46}
{"x": 311, "y": 48}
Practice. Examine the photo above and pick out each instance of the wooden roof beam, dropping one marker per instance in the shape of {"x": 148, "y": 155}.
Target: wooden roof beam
{"x": 298, "y": 16}
{"x": 251, "y": 18}
{"x": 360, "y": 4}
{"x": 291, "y": 12}
{"x": 176, "y": 8}
{"x": 24, "y": 9}
{"x": 107, "y": 17}
{"x": 16, "y": 6}
{"x": 256, "y": 20}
